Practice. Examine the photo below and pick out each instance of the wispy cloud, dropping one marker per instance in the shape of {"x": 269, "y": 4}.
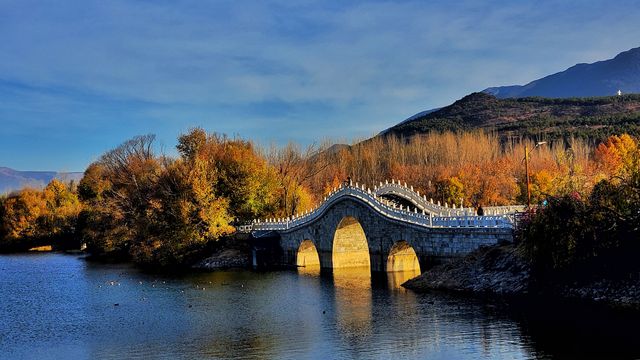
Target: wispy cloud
{"x": 272, "y": 70}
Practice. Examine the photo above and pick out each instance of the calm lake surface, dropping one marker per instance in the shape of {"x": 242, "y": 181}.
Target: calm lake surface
{"x": 62, "y": 307}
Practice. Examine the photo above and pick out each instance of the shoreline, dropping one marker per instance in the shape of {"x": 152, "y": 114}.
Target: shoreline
{"x": 501, "y": 271}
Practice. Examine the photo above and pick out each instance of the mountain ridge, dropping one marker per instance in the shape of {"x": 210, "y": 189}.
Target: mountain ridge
{"x": 594, "y": 118}
{"x": 601, "y": 78}
{"x": 579, "y": 101}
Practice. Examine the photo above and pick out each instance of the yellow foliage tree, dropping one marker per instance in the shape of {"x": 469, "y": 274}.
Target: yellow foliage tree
{"x": 616, "y": 154}
{"x": 542, "y": 186}
{"x": 34, "y": 217}
{"x": 63, "y": 208}
{"x": 242, "y": 176}
{"x": 21, "y": 215}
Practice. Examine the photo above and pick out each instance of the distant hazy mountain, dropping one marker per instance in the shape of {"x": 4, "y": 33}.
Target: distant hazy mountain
{"x": 602, "y": 78}
{"x": 11, "y": 180}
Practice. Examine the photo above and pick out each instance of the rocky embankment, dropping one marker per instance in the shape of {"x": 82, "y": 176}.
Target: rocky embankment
{"x": 503, "y": 270}
{"x": 233, "y": 252}
{"x": 618, "y": 293}
{"x": 497, "y": 269}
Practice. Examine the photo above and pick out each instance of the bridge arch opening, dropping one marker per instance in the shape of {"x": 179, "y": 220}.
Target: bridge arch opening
{"x": 350, "y": 246}
{"x": 402, "y": 257}
{"x": 307, "y": 255}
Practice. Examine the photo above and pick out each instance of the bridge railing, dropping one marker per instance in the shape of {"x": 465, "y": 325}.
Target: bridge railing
{"x": 407, "y": 192}
{"x": 395, "y": 187}
{"x": 504, "y": 210}
{"x": 388, "y": 210}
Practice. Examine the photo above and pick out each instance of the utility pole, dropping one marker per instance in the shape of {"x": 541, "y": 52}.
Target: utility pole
{"x": 526, "y": 166}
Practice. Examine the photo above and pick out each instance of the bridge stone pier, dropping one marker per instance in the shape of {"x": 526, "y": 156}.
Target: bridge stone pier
{"x": 354, "y": 227}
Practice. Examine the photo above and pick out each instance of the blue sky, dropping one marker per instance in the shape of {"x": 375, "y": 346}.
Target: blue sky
{"x": 77, "y": 78}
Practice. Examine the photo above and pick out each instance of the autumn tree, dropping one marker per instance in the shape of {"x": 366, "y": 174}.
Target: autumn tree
{"x": 3, "y": 200}
{"x": 187, "y": 211}
{"x": 449, "y": 190}
{"x": 295, "y": 169}
{"x": 242, "y": 175}
{"x": 94, "y": 183}
{"x": 22, "y": 214}
{"x": 63, "y": 207}
{"x": 616, "y": 154}
{"x": 542, "y": 186}
{"x": 38, "y": 217}
{"x": 119, "y": 191}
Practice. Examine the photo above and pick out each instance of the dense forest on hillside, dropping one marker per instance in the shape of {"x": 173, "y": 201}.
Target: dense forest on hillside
{"x": 592, "y": 119}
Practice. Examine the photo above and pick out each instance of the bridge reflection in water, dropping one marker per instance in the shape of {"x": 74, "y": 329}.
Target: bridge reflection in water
{"x": 352, "y": 308}
{"x": 353, "y": 305}
{"x": 360, "y": 278}
{"x": 352, "y": 277}
{"x": 395, "y": 279}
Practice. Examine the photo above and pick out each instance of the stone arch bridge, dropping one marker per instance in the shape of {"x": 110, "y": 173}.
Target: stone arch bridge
{"x": 388, "y": 228}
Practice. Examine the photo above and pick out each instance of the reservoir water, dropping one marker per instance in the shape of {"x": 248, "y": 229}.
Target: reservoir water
{"x": 56, "y": 306}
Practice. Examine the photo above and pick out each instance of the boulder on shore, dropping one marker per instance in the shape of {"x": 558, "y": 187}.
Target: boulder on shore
{"x": 225, "y": 259}
{"x": 231, "y": 252}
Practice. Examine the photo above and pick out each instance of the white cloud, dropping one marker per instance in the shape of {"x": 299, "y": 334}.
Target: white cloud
{"x": 369, "y": 64}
